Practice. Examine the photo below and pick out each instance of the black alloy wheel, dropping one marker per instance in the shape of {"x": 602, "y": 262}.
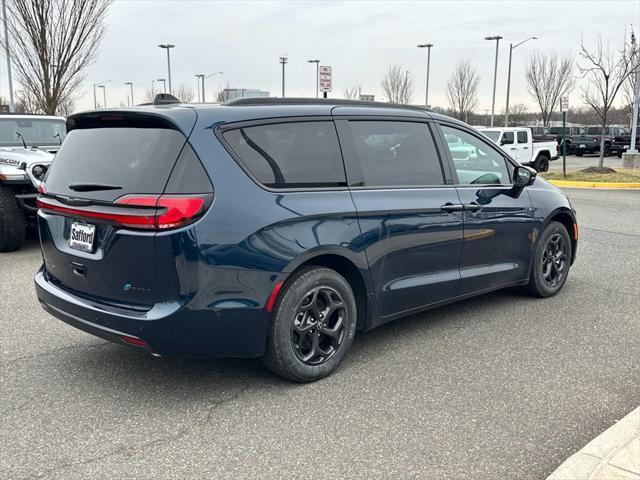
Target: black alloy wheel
{"x": 554, "y": 260}
{"x": 318, "y": 328}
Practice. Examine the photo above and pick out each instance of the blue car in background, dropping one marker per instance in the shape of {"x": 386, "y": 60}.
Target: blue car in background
{"x": 277, "y": 228}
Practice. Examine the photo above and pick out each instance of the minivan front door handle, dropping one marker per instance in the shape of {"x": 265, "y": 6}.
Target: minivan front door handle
{"x": 450, "y": 207}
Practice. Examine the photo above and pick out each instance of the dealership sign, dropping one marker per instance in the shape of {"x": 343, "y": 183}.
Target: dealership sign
{"x": 325, "y": 78}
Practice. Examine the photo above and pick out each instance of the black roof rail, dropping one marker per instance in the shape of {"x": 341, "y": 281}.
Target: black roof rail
{"x": 319, "y": 101}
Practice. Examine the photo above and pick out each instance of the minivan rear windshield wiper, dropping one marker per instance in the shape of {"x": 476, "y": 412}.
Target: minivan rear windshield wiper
{"x": 92, "y": 187}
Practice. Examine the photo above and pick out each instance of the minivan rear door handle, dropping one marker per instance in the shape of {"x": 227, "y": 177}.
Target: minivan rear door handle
{"x": 472, "y": 207}
{"x": 450, "y": 207}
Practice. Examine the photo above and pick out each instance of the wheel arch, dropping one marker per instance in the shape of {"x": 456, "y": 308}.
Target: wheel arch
{"x": 566, "y": 218}
{"x": 344, "y": 264}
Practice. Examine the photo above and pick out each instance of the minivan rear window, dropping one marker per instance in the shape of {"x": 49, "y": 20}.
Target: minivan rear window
{"x": 134, "y": 160}
{"x": 300, "y": 154}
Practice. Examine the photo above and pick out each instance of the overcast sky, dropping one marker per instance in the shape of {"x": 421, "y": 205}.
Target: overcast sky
{"x": 359, "y": 39}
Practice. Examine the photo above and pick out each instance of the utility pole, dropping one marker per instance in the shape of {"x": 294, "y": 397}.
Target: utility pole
{"x": 497, "y": 38}
{"x": 317, "y": 62}
{"x": 511, "y": 48}
{"x": 104, "y": 95}
{"x": 633, "y": 148}
{"x": 131, "y": 86}
{"x": 168, "y": 46}
{"x": 199, "y": 82}
{"x": 283, "y": 61}
{"x": 428, "y": 47}
{"x": 12, "y": 105}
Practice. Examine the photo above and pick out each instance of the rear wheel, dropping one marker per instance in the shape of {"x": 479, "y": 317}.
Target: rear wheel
{"x": 551, "y": 261}
{"x": 313, "y": 325}
{"x": 13, "y": 223}
{"x": 542, "y": 163}
{"x": 607, "y": 150}
{"x": 579, "y": 154}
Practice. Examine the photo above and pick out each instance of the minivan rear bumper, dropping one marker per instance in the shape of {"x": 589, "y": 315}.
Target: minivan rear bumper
{"x": 169, "y": 328}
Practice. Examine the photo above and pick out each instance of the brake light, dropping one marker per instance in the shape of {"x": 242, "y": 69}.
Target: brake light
{"x": 172, "y": 210}
{"x": 147, "y": 212}
{"x": 138, "y": 342}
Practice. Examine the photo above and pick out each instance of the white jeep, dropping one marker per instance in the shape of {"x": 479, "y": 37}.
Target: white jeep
{"x": 28, "y": 144}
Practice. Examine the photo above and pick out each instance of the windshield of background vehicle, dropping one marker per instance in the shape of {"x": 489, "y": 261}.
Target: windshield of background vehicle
{"x": 35, "y": 131}
{"x": 492, "y": 134}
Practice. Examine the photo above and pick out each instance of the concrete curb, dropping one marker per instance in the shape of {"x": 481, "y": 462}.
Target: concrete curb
{"x": 614, "y": 454}
{"x": 575, "y": 184}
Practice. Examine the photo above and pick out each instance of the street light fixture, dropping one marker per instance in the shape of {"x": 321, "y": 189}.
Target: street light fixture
{"x": 95, "y": 100}
{"x": 104, "y": 95}
{"x": 203, "y": 79}
{"x": 283, "y": 61}
{"x": 168, "y": 46}
{"x": 131, "y": 86}
{"x": 428, "y": 47}
{"x": 497, "y": 38}
{"x": 511, "y": 47}
{"x": 164, "y": 84}
{"x": 317, "y": 62}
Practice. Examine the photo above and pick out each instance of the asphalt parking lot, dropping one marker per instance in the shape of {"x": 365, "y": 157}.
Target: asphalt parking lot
{"x": 502, "y": 386}
{"x": 590, "y": 160}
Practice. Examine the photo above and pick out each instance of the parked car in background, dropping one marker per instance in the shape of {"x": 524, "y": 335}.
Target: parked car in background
{"x": 570, "y": 132}
{"x": 621, "y": 143}
{"x": 277, "y": 228}
{"x": 589, "y": 141}
{"x": 27, "y": 147}
{"x": 519, "y": 144}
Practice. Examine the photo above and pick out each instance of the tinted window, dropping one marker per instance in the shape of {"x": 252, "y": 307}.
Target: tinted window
{"x": 290, "y": 154}
{"x": 138, "y": 160}
{"x": 508, "y": 138}
{"x": 475, "y": 161}
{"x": 396, "y": 153}
{"x": 597, "y": 131}
{"x": 522, "y": 137}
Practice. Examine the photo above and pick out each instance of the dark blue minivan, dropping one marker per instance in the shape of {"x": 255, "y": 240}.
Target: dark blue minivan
{"x": 277, "y": 228}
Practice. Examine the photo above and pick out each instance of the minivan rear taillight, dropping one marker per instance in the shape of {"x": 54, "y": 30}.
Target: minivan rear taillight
{"x": 147, "y": 212}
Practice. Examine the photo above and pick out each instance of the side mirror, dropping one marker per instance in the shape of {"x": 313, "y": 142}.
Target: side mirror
{"x": 523, "y": 176}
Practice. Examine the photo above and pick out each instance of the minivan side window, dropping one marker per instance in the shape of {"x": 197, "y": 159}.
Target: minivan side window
{"x": 475, "y": 161}
{"x": 289, "y": 155}
{"x": 396, "y": 153}
{"x": 522, "y": 137}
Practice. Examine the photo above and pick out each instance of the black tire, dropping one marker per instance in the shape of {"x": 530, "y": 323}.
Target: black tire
{"x": 13, "y": 224}
{"x": 545, "y": 285}
{"x": 607, "y": 150}
{"x": 297, "y": 310}
{"x": 619, "y": 153}
{"x": 579, "y": 154}
{"x": 542, "y": 163}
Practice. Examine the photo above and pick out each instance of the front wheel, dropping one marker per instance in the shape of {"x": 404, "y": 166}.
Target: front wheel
{"x": 313, "y": 325}
{"x": 13, "y": 223}
{"x": 551, "y": 261}
{"x": 541, "y": 164}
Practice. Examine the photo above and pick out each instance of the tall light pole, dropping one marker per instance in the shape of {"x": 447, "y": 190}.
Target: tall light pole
{"x": 95, "y": 99}
{"x": 203, "y": 79}
{"x": 12, "y": 105}
{"x": 199, "y": 81}
{"x": 497, "y": 38}
{"x": 167, "y": 47}
{"x": 104, "y": 95}
{"x": 317, "y": 62}
{"x": 283, "y": 61}
{"x": 131, "y": 86}
{"x": 428, "y": 47}
{"x": 164, "y": 84}
{"x": 511, "y": 47}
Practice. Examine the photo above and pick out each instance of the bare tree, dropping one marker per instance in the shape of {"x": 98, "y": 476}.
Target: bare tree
{"x": 184, "y": 93}
{"x": 549, "y": 77}
{"x": 51, "y": 44}
{"x": 462, "y": 90}
{"x": 350, "y": 93}
{"x": 517, "y": 112}
{"x": 397, "y": 85}
{"x": 606, "y": 71}
{"x": 26, "y": 103}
